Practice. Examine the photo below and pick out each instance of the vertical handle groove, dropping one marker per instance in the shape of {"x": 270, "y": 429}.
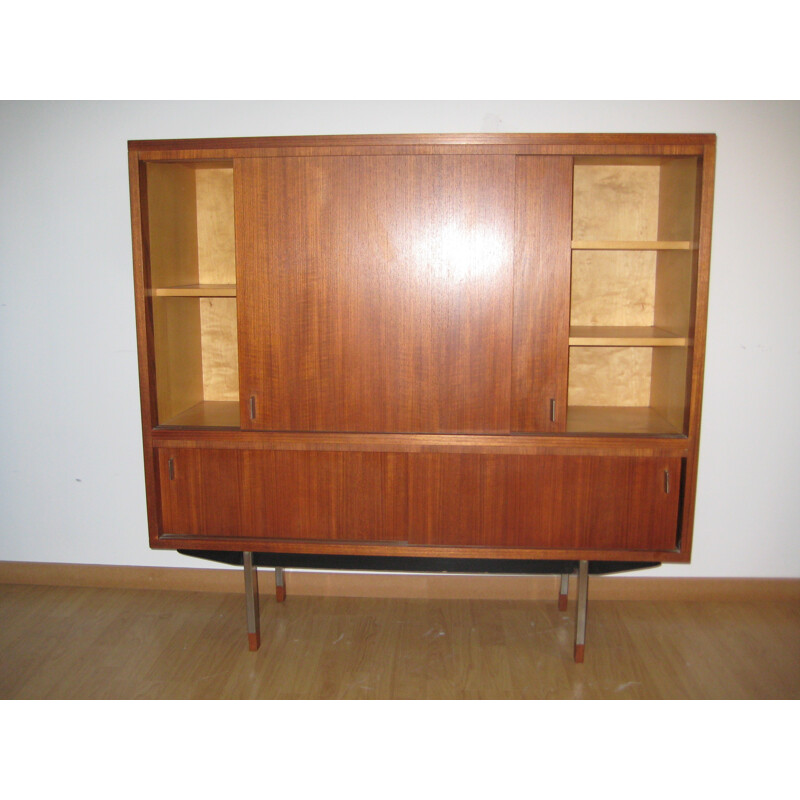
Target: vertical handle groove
{"x": 171, "y": 467}
{"x": 666, "y": 481}
{"x": 552, "y": 409}
{"x": 252, "y": 406}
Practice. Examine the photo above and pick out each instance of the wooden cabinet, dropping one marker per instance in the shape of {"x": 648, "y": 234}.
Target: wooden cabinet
{"x": 477, "y": 347}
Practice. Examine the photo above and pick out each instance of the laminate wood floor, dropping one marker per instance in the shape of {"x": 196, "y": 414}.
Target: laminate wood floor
{"x": 85, "y": 643}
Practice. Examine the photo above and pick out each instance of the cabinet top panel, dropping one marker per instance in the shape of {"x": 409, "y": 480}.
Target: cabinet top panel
{"x": 578, "y": 143}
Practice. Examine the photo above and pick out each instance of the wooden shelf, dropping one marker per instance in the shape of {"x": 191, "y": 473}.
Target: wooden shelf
{"x": 207, "y": 414}
{"x": 197, "y": 290}
{"x": 618, "y": 419}
{"x": 624, "y": 336}
{"x": 629, "y": 245}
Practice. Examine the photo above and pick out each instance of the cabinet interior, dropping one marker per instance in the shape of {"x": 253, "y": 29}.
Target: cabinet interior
{"x": 192, "y": 286}
{"x": 633, "y": 270}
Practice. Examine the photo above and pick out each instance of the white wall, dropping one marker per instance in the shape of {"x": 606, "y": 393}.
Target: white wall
{"x": 71, "y": 474}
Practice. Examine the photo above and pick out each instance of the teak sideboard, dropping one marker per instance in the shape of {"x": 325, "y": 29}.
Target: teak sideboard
{"x": 478, "y": 353}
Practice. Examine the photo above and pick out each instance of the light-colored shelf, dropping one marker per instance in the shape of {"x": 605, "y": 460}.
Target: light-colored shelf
{"x": 197, "y": 290}
{"x": 208, "y": 414}
{"x": 618, "y": 419}
{"x": 624, "y": 336}
{"x": 629, "y": 245}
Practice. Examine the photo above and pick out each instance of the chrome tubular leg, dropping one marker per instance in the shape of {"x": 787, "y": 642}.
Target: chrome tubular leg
{"x": 251, "y": 601}
{"x": 563, "y": 592}
{"x": 583, "y": 599}
{"x": 280, "y": 586}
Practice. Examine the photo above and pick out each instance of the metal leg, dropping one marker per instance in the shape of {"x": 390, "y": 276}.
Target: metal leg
{"x": 280, "y": 586}
{"x": 583, "y": 599}
{"x": 251, "y": 601}
{"x": 563, "y": 592}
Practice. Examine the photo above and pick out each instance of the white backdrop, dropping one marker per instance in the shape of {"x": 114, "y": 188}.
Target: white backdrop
{"x": 71, "y": 471}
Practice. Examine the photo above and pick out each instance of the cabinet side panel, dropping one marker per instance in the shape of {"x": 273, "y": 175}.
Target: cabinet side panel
{"x": 144, "y": 326}
{"x": 541, "y": 293}
{"x": 703, "y": 226}
{"x": 375, "y": 293}
{"x": 668, "y": 384}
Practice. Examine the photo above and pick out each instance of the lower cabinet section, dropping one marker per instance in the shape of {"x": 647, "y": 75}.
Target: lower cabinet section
{"x": 435, "y": 499}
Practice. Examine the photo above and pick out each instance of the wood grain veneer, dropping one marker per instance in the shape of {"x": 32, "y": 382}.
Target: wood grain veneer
{"x": 617, "y": 203}
{"x": 541, "y": 293}
{"x": 612, "y": 288}
{"x": 520, "y": 444}
{"x": 697, "y": 330}
{"x": 216, "y": 244}
{"x": 283, "y": 495}
{"x": 380, "y": 299}
{"x": 609, "y": 376}
{"x": 648, "y": 144}
{"x": 461, "y": 500}
{"x": 543, "y": 502}
{"x": 219, "y": 345}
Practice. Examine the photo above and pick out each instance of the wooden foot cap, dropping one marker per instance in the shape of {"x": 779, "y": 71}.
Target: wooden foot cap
{"x": 562, "y": 602}
{"x": 254, "y": 641}
{"x": 280, "y": 593}
{"x": 579, "y": 653}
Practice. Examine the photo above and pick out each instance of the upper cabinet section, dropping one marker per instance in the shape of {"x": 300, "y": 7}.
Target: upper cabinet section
{"x": 485, "y": 284}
